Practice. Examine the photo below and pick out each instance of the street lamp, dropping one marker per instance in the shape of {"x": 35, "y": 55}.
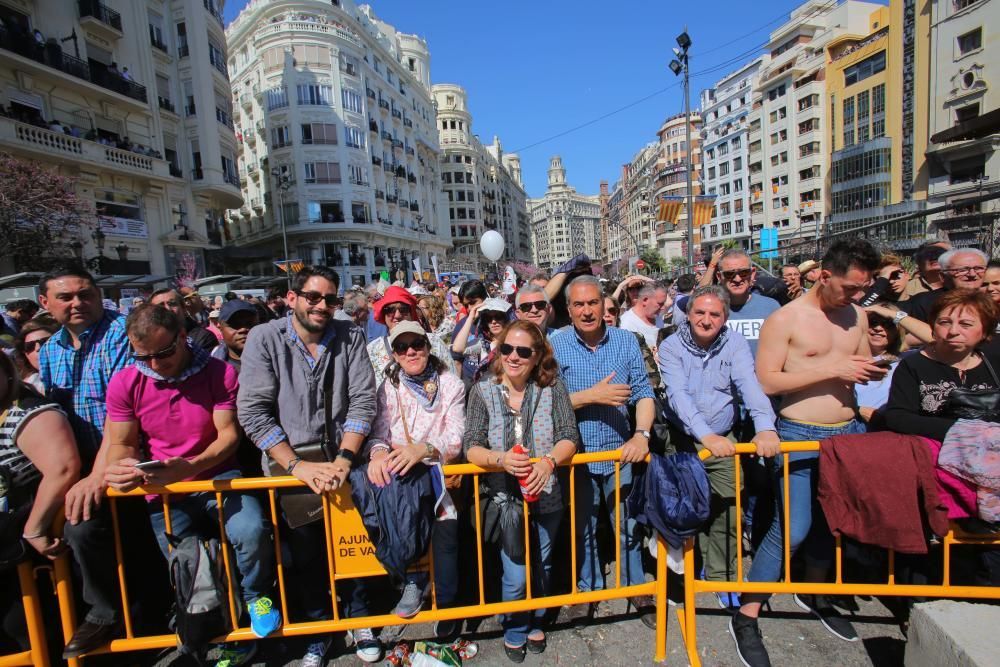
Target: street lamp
{"x": 76, "y": 245}
{"x": 283, "y": 183}
{"x": 679, "y": 65}
{"x": 99, "y": 239}
{"x": 122, "y": 250}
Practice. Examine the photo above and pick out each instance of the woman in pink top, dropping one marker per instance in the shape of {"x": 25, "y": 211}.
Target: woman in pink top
{"x": 420, "y": 418}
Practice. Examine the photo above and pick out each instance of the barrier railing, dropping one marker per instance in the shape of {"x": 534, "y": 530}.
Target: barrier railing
{"x": 341, "y": 520}
{"x": 686, "y": 615}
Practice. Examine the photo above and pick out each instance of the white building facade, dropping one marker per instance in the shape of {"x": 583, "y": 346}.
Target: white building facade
{"x": 564, "y": 223}
{"x": 631, "y": 219}
{"x": 482, "y": 185}
{"x": 339, "y": 144}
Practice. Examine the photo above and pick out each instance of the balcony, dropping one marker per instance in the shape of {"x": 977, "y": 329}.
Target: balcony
{"x": 156, "y": 42}
{"x": 100, "y": 19}
{"x": 400, "y": 171}
{"x": 407, "y": 122}
{"x": 397, "y": 144}
{"x": 403, "y": 204}
{"x": 216, "y": 14}
{"x": 246, "y": 100}
{"x": 397, "y": 114}
{"x": 414, "y": 206}
{"x": 377, "y": 161}
{"x": 383, "y": 104}
{"x": 219, "y": 64}
{"x": 176, "y": 171}
{"x": 379, "y": 194}
{"x": 370, "y": 93}
{"x": 183, "y": 51}
{"x": 411, "y": 177}
{"x": 166, "y": 104}
{"x": 257, "y": 203}
{"x": 386, "y": 136}
{"x": 410, "y": 151}
{"x": 372, "y": 125}
{"x": 392, "y": 199}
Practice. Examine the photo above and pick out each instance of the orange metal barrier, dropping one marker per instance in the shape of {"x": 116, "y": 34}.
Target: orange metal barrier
{"x": 341, "y": 520}
{"x": 687, "y": 614}
{"x": 38, "y": 653}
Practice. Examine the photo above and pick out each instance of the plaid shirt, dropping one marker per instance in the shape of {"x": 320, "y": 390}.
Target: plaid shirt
{"x": 602, "y": 427}
{"x": 78, "y": 379}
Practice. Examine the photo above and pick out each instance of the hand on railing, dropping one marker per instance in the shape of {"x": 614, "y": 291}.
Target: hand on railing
{"x": 719, "y": 445}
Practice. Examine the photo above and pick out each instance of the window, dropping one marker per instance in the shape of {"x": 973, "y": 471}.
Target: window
{"x": 280, "y": 136}
{"x": 966, "y": 113}
{"x": 864, "y": 69}
{"x": 355, "y": 138}
{"x": 314, "y": 95}
{"x": 736, "y": 142}
{"x": 319, "y": 133}
{"x": 358, "y": 174}
{"x": 710, "y": 153}
{"x": 325, "y": 211}
{"x": 322, "y": 172}
{"x": 359, "y": 212}
{"x": 738, "y": 187}
{"x": 970, "y": 41}
{"x": 711, "y": 173}
{"x": 182, "y": 40}
{"x": 352, "y": 100}
{"x": 723, "y": 149}
{"x": 737, "y": 163}
{"x": 724, "y": 169}
{"x": 277, "y": 98}
{"x": 848, "y": 121}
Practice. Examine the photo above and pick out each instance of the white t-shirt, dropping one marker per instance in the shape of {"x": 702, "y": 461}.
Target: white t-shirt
{"x": 632, "y": 322}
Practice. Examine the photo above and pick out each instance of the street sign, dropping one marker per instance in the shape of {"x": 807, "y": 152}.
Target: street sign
{"x": 639, "y": 264}
{"x": 769, "y": 242}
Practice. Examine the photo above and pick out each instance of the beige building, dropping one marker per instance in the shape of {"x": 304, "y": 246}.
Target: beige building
{"x": 631, "y": 220}
{"x": 132, "y": 99}
{"x": 482, "y": 185}
{"x": 671, "y": 180}
{"x": 564, "y": 223}
{"x": 338, "y": 139}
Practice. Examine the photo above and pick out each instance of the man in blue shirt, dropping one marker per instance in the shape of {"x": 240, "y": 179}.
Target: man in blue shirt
{"x": 604, "y": 372}
{"x": 708, "y": 371}
{"x": 76, "y": 365}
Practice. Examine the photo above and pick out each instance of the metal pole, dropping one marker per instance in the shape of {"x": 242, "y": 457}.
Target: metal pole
{"x": 690, "y": 157}
{"x": 284, "y": 232}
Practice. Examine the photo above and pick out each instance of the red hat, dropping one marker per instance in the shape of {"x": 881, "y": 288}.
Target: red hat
{"x": 394, "y": 295}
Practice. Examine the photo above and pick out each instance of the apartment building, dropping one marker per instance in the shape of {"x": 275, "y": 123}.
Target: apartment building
{"x": 631, "y": 221}
{"x": 672, "y": 166}
{"x": 564, "y": 223}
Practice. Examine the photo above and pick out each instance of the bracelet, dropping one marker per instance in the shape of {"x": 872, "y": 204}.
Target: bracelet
{"x": 379, "y": 447}
{"x": 33, "y": 537}
{"x": 552, "y": 461}
{"x": 291, "y": 464}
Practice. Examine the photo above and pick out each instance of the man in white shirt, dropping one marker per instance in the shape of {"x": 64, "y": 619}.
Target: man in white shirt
{"x": 643, "y": 316}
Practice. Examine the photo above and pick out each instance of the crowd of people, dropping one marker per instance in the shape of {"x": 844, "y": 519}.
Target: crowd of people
{"x": 379, "y": 386}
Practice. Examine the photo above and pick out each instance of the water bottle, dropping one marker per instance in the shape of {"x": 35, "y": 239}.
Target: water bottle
{"x": 530, "y": 497}
{"x": 424, "y": 660}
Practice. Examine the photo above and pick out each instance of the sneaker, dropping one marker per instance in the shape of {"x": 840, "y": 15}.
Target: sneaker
{"x": 728, "y": 600}
{"x": 749, "y": 641}
{"x": 315, "y": 655}
{"x": 410, "y": 602}
{"x": 236, "y": 653}
{"x": 365, "y": 645}
{"x": 264, "y": 618}
{"x": 838, "y": 626}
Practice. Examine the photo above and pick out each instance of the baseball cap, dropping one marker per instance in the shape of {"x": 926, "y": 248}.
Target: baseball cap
{"x": 230, "y": 308}
{"x": 808, "y": 265}
{"x": 405, "y": 327}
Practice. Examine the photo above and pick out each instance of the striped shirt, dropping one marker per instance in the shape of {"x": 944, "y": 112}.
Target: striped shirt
{"x": 77, "y": 379}
{"x": 24, "y": 475}
{"x": 602, "y": 427}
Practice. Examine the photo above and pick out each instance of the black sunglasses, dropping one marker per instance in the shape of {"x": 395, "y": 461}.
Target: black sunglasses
{"x": 165, "y": 353}
{"x": 742, "y": 273}
{"x": 312, "y": 298}
{"x": 401, "y": 346}
{"x": 612, "y": 310}
{"x": 522, "y": 351}
{"x": 533, "y": 305}
{"x": 30, "y": 345}
{"x": 486, "y": 318}
{"x": 403, "y": 309}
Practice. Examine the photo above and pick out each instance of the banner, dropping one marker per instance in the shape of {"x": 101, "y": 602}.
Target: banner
{"x": 416, "y": 265}
{"x": 290, "y": 266}
{"x": 434, "y": 263}
{"x": 509, "y": 280}
{"x": 703, "y": 206}
{"x": 669, "y": 209}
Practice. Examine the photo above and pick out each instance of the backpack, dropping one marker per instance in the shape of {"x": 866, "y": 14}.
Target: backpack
{"x": 673, "y": 497}
{"x": 199, "y": 581}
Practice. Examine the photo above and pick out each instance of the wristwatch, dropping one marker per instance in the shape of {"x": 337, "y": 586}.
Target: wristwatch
{"x": 899, "y": 317}
{"x": 643, "y": 433}
{"x": 346, "y": 454}
{"x": 429, "y": 450}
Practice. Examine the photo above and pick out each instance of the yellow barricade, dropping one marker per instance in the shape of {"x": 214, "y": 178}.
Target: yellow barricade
{"x": 38, "y": 653}
{"x": 687, "y": 617}
{"x": 351, "y": 555}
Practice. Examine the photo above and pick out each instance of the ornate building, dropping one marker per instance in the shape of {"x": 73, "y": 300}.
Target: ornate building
{"x": 564, "y": 223}
{"x": 671, "y": 180}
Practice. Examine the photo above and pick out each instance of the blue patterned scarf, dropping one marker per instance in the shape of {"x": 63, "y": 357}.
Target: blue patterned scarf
{"x": 424, "y": 386}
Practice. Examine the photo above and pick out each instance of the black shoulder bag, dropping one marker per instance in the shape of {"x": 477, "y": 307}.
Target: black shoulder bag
{"x": 981, "y": 404}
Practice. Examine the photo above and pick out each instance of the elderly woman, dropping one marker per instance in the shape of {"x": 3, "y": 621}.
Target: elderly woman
{"x": 709, "y": 374}
{"x": 39, "y": 461}
{"x": 475, "y": 341}
{"x": 523, "y": 402}
{"x": 28, "y": 344}
{"x": 420, "y": 418}
{"x": 397, "y": 305}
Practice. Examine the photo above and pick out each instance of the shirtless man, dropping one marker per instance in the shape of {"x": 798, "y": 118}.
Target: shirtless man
{"x": 811, "y": 353}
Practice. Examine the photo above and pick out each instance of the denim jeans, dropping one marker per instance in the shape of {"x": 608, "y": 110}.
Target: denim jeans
{"x": 517, "y": 627}
{"x": 590, "y": 489}
{"x": 807, "y": 525}
{"x": 444, "y": 545}
{"x": 246, "y": 530}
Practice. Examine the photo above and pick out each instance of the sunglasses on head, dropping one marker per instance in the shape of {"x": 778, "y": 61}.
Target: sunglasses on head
{"x": 533, "y": 305}
{"x": 312, "y": 298}
{"x": 165, "y": 353}
{"x": 32, "y": 345}
{"x": 401, "y": 346}
{"x": 742, "y": 273}
{"x": 401, "y": 309}
{"x": 524, "y": 352}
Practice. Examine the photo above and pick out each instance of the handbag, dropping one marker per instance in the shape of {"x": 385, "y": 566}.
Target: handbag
{"x": 303, "y": 506}
{"x": 981, "y": 404}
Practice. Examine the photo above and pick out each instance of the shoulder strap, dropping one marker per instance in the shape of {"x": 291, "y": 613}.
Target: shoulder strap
{"x": 402, "y": 416}
{"x": 327, "y": 405}
{"x": 989, "y": 367}
{"x": 530, "y": 425}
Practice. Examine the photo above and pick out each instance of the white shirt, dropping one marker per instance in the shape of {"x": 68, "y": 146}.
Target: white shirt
{"x": 632, "y": 322}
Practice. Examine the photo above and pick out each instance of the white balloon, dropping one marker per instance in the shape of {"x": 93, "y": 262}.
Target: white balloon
{"x": 492, "y": 245}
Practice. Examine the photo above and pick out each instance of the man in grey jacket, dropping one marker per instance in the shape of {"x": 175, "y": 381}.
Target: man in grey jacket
{"x": 280, "y": 405}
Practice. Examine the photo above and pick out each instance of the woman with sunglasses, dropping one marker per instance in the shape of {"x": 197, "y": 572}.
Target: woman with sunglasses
{"x": 884, "y": 342}
{"x": 397, "y": 305}
{"x": 523, "y": 402}
{"x": 28, "y": 344}
{"x": 488, "y": 319}
{"x": 420, "y": 417}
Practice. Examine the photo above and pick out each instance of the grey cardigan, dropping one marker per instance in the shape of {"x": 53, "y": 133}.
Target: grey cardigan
{"x": 280, "y": 397}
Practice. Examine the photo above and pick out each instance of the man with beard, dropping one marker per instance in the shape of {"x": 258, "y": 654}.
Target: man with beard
{"x": 236, "y": 319}
{"x": 288, "y": 366}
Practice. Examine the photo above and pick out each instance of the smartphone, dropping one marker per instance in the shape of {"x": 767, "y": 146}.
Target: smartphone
{"x": 884, "y": 360}
{"x": 155, "y": 464}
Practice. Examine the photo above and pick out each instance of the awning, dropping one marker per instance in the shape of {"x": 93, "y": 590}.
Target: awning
{"x": 139, "y": 281}
{"x": 975, "y": 128}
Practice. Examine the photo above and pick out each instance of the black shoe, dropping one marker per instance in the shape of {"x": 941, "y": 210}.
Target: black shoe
{"x": 514, "y": 654}
{"x": 749, "y": 643}
{"x": 447, "y": 629}
{"x": 838, "y": 626}
{"x": 646, "y": 608}
{"x": 87, "y": 637}
{"x": 536, "y": 645}
{"x": 844, "y": 602}
{"x": 579, "y": 614}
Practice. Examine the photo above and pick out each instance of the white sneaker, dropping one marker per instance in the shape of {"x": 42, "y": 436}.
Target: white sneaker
{"x": 366, "y": 646}
{"x": 315, "y": 655}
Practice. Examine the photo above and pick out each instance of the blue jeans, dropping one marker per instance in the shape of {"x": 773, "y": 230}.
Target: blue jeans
{"x": 246, "y": 530}
{"x": 444, "y": 544}
{"x": 807, "y": 525}
{"x": 517, "y": 627}
{"x": 590, "y": 489}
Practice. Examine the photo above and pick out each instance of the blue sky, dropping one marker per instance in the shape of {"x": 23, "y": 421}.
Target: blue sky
{"x": 534, "y": 70}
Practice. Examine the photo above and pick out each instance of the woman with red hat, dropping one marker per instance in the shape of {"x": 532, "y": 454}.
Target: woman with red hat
{"x": 398, "y": 305}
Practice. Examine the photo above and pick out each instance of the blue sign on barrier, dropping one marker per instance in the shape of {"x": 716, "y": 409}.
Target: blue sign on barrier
{"x": 769, "y": 242}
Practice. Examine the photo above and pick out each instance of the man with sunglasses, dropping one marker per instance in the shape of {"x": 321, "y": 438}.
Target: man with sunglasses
{"x": 532, "y": 305}
{"x": 747, "y": 310}
{"x": 962, "y": 268}
{"x": 287, "y": 366}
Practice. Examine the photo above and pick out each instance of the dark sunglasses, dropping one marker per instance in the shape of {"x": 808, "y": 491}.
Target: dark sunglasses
{"x": 31, "y": 345}
{"x": 165, "y": 353}
{"x": 522, "y": 351}
{"x": 486, "y": 318}
{"x": 312, "y": 298}
{"x": 533, "y": 305}
{"x": 402, "y": 309}
{"x": 612, "y": 310}
{"x": 742, "y": 273}
{"x": 401, "y": 346}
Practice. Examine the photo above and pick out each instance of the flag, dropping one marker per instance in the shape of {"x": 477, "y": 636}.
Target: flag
{"x": 416, "y": 265}
{"x": 290, "y": 266}
{"x": 669, "y": 209}
{"x": 434, "y": 263}
{"x": 703, "y": 207}
{"x": 509, "y": 280}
